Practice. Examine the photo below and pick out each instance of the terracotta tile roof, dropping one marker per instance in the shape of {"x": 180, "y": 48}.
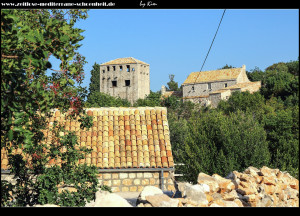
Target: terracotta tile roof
{"x": 127, "y": 60}
{"x": 120, "y": 138}
{"x": 214, "y": 75}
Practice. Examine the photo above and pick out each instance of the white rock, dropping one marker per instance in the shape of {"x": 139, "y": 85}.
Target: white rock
{"x": 106, "y": 199}
{"x": 149, "y": 191}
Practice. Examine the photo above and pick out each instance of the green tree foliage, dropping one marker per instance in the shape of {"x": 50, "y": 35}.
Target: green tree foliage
{"x": 151, "y": 100}
{"x": 28, "y": 94}
{"x": 172, "y": 85}
{"x": 282, "y": 129}
{"x": 218, "y": 143}
{"x": 99, "y": 99}
{"x": 95, "y": 79}
{"x": 255, "y": 75}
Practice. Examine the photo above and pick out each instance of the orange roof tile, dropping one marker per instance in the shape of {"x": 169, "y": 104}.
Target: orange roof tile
{"x": 214, "y": 75}
{"x": 126, "y": 60}
{"x": 119, "y": 138}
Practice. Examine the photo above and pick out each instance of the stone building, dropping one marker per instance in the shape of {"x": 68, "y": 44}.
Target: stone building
{"x": 130, "y": 147}
{"x": 209, "y": 87}
{"x": 127, "y": 78}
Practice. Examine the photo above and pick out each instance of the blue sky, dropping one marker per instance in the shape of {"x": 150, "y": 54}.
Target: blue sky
{"x": 176, "y": 41}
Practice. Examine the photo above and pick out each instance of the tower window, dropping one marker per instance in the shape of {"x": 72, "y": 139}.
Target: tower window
{"x": 132, "y": 69}
{"x": 114, "y": 83}
{"x": 107, "y": 68}
{"x": 121, "y": 68}
{"x": 103, "y": 71}
{"x": 128, "y": 68}
{"x": 225, "y": 85}
{"x": 127, "y": 82}
{"x": 114, "y": 68}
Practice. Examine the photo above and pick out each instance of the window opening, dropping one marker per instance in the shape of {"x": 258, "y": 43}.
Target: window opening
{"x": 121, "y": 68}
{"x": 114, "y": 83}
{"x": 127, "y": 82}
{"x": 128, "y": 68}
{"x": 209, "y": 85}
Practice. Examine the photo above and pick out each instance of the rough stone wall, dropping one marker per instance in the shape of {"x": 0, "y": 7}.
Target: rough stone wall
{"x": 138, "y": 74}
{"x": 215, "y": 99}
{"x": 201, "y": 89}
{"x": 124, "y": 181}
{"x": 135, "y": 181}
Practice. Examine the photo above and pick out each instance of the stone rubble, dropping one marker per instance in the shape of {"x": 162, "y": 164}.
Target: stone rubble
{"x": 254, "y": 187}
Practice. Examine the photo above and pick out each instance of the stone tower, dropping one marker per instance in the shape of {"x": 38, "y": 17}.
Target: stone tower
{"x": 127, "y": 78}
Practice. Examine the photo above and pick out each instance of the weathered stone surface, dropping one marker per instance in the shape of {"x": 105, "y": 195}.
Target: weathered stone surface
{"x": 148, "y": 191}
{"x": 106, "y": 199}
{"x": 208, "y": 180}
{"x": 162, "y": 200}
{"x": 196, "y": 194}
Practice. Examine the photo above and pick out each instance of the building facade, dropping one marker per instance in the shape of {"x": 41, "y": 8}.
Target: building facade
{"x": 127, "y": 78}
{"x": 209, "y": 87}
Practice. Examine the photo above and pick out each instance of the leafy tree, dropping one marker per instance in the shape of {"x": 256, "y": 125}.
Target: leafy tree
{"x": 172, "y": 85}
{"x": 255, "y": 75}
{"x": 99, "y": 99}
{"x": 151, "y": 100}
{"x": 28, "y": 95}
{"x": 95, "y": 79}
{"x": 226, "y": 67}
{"x": 218, "y": 143}
{"x": 279, "y": 84}
{"x": 282, "y": 128}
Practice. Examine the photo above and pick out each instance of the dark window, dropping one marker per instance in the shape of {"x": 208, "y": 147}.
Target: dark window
{"x": 193, "y": 88}
{"x": 114, "y": 68}
{"x": 127, "y": 82}
{"x": 225, "y": 85}
{"x": 209, "y": 85}
{"x": 103, "y": 71}
{"x": 121, "y": 68}
{"x": 107, "y": 68}
{"x": 114, "y": 83}
{"x": 128, "y": 68}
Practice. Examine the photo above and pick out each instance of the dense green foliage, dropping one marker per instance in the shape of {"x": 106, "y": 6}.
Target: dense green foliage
{"x": 99, "y": 99}
{"x": 28, "y": 95}
{"x": 95, "y": 79}
{"x": 172, "y": 85}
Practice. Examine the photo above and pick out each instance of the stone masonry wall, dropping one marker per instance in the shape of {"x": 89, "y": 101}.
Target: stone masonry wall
{"x": 201, "y": 89}
{"x": 135, "y": 181}
{"x": 125, "y": 181}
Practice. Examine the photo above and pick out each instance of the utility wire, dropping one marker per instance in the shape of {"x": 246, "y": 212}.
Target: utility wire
{"x": 210, "y": 46}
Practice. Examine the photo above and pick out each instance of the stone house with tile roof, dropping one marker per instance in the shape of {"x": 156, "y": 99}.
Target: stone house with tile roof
{"x": 209, "y": 87}
{"x": 127, "y": 78}
{"x": 130, "y": 147}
